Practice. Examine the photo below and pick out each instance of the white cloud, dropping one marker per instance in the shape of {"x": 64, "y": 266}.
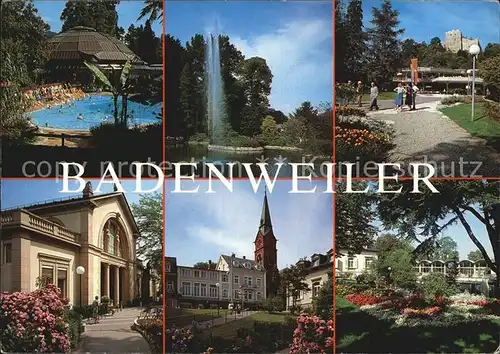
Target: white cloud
{"x": 299, "y": 56}
{"x": 301, "y": 223}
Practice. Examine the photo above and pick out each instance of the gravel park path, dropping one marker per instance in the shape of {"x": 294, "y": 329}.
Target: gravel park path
{"x": 427, "y": 135}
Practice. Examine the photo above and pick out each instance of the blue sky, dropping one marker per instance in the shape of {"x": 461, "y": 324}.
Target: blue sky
{"x": 424, "y": 20}
{"x": 295, "y": 38}
{"x": 199, "y": 227}
{"x": 128, "y": 11}
{"x": 21, "y": 192}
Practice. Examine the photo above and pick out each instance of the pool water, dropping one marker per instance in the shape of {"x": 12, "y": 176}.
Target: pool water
{"x": 95, "y": 110}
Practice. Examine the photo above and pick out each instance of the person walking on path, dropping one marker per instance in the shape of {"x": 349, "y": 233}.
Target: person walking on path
{"x": 359, "y": 93}
{"x": 373, "y": 97}
{"x": 95, "y": 309}
{"x": 409, "y": 94}
{"x": 399, "y": 96}
{"x": 414, "y": 91}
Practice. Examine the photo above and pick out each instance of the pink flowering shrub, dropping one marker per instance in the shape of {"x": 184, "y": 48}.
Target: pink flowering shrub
{"x": 34, "y": 322}
{"x": 312, "y": 335}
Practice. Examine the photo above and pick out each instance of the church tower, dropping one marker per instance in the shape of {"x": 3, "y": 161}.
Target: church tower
{"x": 265, "y": 252}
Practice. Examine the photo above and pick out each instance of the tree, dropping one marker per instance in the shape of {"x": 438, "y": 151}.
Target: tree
{"x": 269, "y": 130}
{"x": 274, "y": 304}
{"x": 100, "y": 15}
{"x": 488, "y": 71}
{"x": 175, "y": 56}
{"x": 442, "y": 249}
{"x": 153, "y": 9}
{"x": 256, "y": 78}
{"x": 355, "y": 36}
{"x": 426, "y": 215}
{"x": 353, "y": 223}
{"x": 205, "y": 265}
{"x": 475, "y": 256}
{"x": 24, "y": 36}
{"x": 397, "y": 265}
{"x": 118, "y": 84}
{"x": 340, "y": 43}
{"x": 292, "y": 282}
{"x": 383, "y": 46}
{"x": 323, "y": 302}
{"x": 143, "y": 42}
{"x": 149, "y": 218}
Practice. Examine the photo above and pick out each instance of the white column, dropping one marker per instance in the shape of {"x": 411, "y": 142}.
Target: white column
{"x": 107, "y": 279}
{"x": 117, "y": 286}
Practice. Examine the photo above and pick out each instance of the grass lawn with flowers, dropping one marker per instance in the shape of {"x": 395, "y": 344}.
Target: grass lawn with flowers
{"x": 482, "y": 126}
{"x": 368, "y": 329}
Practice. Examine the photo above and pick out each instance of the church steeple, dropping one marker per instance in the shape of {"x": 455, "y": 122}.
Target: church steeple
{"x": 265, "y": 218}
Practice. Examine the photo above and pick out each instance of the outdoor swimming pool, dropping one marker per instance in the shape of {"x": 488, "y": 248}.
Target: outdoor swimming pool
{"x": 94, "y": 110}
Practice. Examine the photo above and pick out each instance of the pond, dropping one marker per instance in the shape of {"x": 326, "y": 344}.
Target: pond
{"x": 201, "y": 155}
{"x": 94, "y": 109}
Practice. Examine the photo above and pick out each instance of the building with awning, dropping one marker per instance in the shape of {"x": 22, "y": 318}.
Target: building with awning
{"x": 439, "y": 79}
{"x": 69, "y": 50}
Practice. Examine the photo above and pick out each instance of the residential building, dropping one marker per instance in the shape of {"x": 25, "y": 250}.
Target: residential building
{"x": 317, "y": 269}
{"x": 352, "y": 265}
{"x": 246, "y": 280}
{"x": 170, "y": 282}
{"x": 198, "y": 287}
{"x": 50, "y": 240}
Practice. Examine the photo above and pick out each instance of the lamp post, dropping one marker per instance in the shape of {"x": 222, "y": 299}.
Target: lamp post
{"x": 80, "y": 270}
{"x": 474, "y": 51}
{"x": 389, "y": 274}
{"x": 218, "y": 298}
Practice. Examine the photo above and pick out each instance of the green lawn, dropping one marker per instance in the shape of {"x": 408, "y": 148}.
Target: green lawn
{"x": 382, "y": 96}
{"x": 482, "y": 126}
{"x": 184, "y": 317}
{"x": 229, "y": 329}
{"x": 359, "y": 332}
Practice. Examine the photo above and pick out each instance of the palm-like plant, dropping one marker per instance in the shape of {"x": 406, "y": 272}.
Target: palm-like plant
{"x": 153, "y": 8}
{"x": 120, "y": 86}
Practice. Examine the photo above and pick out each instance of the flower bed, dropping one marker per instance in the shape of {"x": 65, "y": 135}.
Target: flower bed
{"x": 38, "y": 321}
{"x": 417, "y": 311}
{"x": 312, "y": 335}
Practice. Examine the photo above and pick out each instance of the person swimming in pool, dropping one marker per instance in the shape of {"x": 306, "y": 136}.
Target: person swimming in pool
{"x": 98, "y": 110}
{"x": 80, "y": 117}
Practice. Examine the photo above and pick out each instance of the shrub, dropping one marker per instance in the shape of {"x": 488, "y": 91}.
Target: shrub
{"x": 449, "y": 100}
{"x": 349, "y": 111}
{"x": 85, "y": 311}
{"x": 274, "y": 304}
{"x": 312, "y": 335}
{"x": 34, "y": 322}
{"x": 434, "y": 285}
{"x": 492, "y": 110}
{"x": 343, "y": 290}
{"x": 75, "y": 326}
{"x": 199, "y": 138}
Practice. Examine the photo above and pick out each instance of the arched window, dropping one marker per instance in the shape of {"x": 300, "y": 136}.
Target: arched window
{"x": 111, "y": 240}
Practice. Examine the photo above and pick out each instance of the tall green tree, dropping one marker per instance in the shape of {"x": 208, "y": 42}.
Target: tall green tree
{"x": 175, "y": 57}
{"x": 143, "y": 42}
{"x": 256, "y": 78}
{"x": 354, "y": 214}
{"x": 488, "y": 71}
{"x": 153, "y": 10}
{"x": 293, "y": 283}
{"x": 383, "y": 45}
{"x": 323, "y": 302}
{"x": 422, "y": 217}
{"x": 148, "y": 214}
{"x": 24, "y": 35}
{"x": 475, "y": 256}
{"x": 340, "y": 43}
{"x": 356, "y": 38}
{"x": 98, "y": 14}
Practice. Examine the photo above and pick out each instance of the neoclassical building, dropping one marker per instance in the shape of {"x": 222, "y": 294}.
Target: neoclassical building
{"x": 49, "y": 241}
